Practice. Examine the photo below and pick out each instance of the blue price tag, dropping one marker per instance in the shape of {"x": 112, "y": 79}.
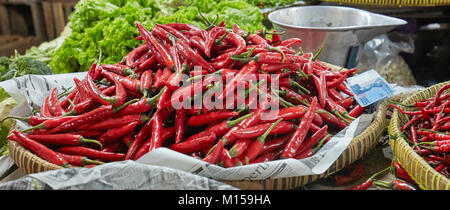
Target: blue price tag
{"x": 369, "y": 87}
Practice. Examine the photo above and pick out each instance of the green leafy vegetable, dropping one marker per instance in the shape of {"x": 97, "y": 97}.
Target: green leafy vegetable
{"x": 109, "y": 25}
{"x": 271, "y": 3}
{"x": 20, "y": 65}
{"x": 6, "y": 104}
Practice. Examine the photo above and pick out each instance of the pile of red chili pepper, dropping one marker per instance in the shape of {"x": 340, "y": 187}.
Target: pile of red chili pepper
{"x": 427, "y": 128}
{"x": 122, "y": 111}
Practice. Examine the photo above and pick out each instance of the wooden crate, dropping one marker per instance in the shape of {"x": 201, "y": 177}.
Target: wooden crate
{"x": 56, "y": 15}
{"x": 49, "y": 16}
{"x": 10, "y": 43}
{"x": 36, "y": 13}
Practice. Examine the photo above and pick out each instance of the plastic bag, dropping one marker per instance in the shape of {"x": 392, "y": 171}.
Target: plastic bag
{"x": 382, "y": 54}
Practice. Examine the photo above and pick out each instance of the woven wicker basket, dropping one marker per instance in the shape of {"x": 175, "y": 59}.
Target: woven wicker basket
{"x": 422, "y": 173}
{"x": 358, "y": 147}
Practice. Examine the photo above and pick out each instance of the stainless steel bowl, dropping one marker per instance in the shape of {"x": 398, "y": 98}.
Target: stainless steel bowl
{"x": 339, "y": 31}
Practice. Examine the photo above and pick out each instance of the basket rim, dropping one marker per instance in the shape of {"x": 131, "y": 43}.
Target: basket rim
{"x": 397, "y": 141}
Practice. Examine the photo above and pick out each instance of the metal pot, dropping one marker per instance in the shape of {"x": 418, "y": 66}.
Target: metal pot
{"x": 339, "y": 31}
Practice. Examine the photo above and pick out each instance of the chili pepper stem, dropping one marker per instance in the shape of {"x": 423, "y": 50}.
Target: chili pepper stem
{"x": 26, "y": 119}
{"x": 270, "y": 48}
{"x": 383, "y": 184}
{"x": 232, "y": 123}
{"x": 335, "y": 112}
{"x": 85, "y": 140}
{"x": 263, "y": 137}
{"x": 40, "y": 126}
{"x": 87, "y": 161}
{"x": 316, "y": 148}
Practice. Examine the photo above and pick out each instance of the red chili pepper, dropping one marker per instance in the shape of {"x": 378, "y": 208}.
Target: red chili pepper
{"x": 87, "y": 134}
{"x": 62, "y": 139}
{"x": 401, "y": 173}
{"x": 258, "y": 40}
{"x": 290, "y": 42}
{"x": 116, "y": 133}
{"x": 239, "y": 147}
{"x": 344, "y": 89}
{"x": 135, "y": 54}
{"x": 151, "y": 40}
{"x": 195, "y": 144}
{"x": 156, "y": 130}
{"x": 229, "y": 138}
{"x": 116, "y": 146}
{"x": 45, "y": 110}
{"x": 275, "y": 144}
{"x": 338, "y": 110}
{"x": 401, "y": 185}
{"x": 289, "y": 113}
{"x": 104, "y": 99}
{"x": 227, "y": 160}
{"x": 190, "y": 90}
{"x": 368, "y": 183}
{"x": 346, "y": 102}
{"x": 290, "y": 83}
{"x": 65, "y": 102}
{"x": 118, "y": 69}
{"x": 92, "y": 153}
{"x": 300, "y": 133}
{"x": 39, "y": 149}
{"x": 237, "y": 41}
{"x": 273, "y": 58}
{"x": 77, "y": 160}
{"x": 174, "y": 32}
{"x": 139, "y": 140}
{"x": 293, "y": 97}
{"x": 116, "y": 121}
{"x": 147, "y": 64}
{"x": 223, "y": 127}
{"x": 357, "y": 111}
{"x": 336, "y": 82}
{"x": 82, "y": 88}
{"x": 53, "y": 105}
{"x": 252, "y": 132}
{"x": 194, "y": 30}
{"x": 231, "y": 85}
{"x": 166, "y": 134}
{"x": 445, "y": 126}
{"x": 276, "y": 38}
{"x": 42, "y": 122}
{"x": 128, "y": 138}
{"x": 210, "y": 117}
{"x": 212, "y": 36}
{"x": 191, "y": 56}
{"x": 146, "y": 82}
{"x": 437, "y": 98}
{"x": 257, "y": 145}
{"x": 266, "y": 157}
{"x": 321, "y": 89}
{"x": 197, "y": 42}
{"x": 88, "y": 117}
{"x": 143, "y": 105}
{"x": 215, "y": 153}
{"x": 334, "y": 94}
{"x": 349, "y": 174}
{"x": 180, "y": 116}
{"x": 277, "y": 67}
{"x": 313, "y": 140}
